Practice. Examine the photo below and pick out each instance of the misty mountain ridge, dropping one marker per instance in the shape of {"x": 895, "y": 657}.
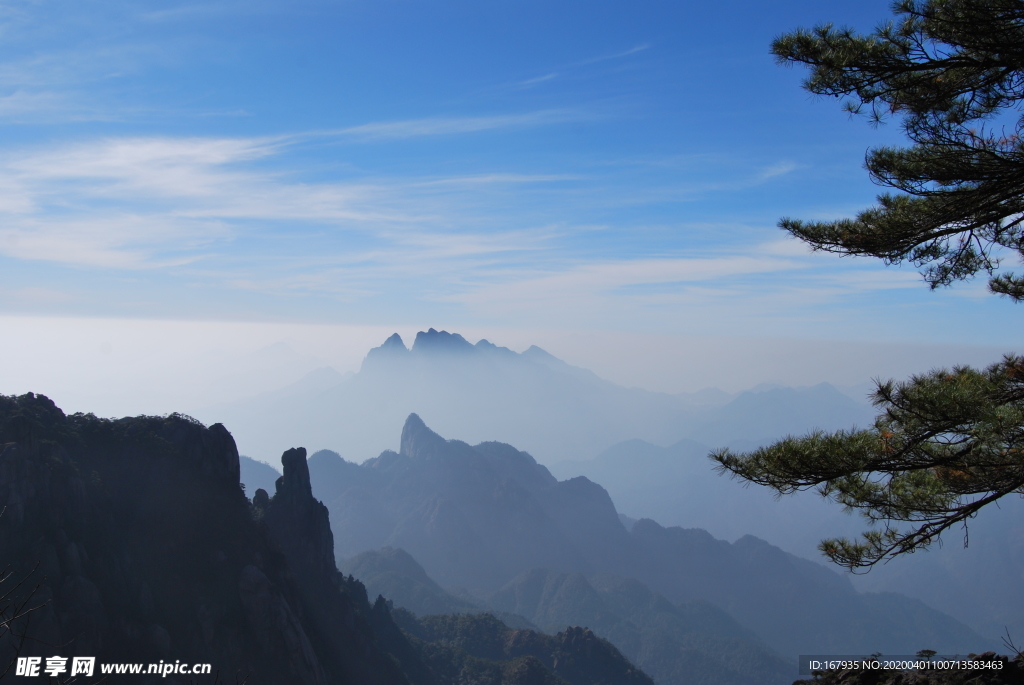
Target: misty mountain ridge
{"x": 486, "y": 392}
{"x": 482, "y": 391}
{"x": 678, "y": 486}
{"x": 477, "y": 517}
{"x": 691, "y": 642}
{"x": 981, "y": 585}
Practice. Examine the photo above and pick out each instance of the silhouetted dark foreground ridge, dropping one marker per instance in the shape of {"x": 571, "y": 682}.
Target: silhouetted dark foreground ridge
{"x": 144, "y": 548}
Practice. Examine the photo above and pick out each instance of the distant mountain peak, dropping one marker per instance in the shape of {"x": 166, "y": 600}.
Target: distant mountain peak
{"x": 392, "y": 348}
{"x": 417, "y": 439}
{"x": 538, "y": 352}
{"x": 440, "y": 341}
{"x": 394, "y": 342}
{"x": 432, "y": 343}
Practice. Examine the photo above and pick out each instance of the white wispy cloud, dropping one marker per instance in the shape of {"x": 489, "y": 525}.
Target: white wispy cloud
{"x": 537, "y": 79}
{"x": 155, "y": 202}
{"x": 615, "y": 55}
{"x": 574, "y": 68}
{"x": 228, "y": 210}
{"x": 499, "y": 179}
{"x": 777, "y": 169}
{"x": 608, "y": 278}
{"x": 21, "y": 102}
{"x": 438, "y": 126}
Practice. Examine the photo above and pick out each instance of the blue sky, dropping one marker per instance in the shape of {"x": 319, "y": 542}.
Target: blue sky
{"x": 613, "y": 167}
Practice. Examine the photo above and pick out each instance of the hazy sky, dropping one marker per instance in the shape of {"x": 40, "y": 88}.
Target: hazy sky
{"x": 576, "y": 174}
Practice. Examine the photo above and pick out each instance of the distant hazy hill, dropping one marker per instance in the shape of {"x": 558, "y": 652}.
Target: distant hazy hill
{"x": 484, "y": 392}
{"x": 677, "y": 485}
{"x": 394, "y": 574}
{"x": 479, "y": 516}
{"x": 694, "y": 642}
{"x": 565, "y": 416}
{"x": 255, "y": 475}
{"x": 982, "y": 585}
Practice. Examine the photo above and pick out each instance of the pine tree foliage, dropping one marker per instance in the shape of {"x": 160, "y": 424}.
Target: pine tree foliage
{"x": 948, "y": 443}
{"x": 954, "y": 71}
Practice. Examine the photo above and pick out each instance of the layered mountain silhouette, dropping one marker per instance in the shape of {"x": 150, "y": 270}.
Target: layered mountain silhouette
{"x": 565, "y": 416}
{"x": 690, "y": 642}
{"x": 130, "y": 540}
{"x": 485, "y": 392}
{"x": 478, "y": 517}
{"x": 394, "y": 574}
{"x": 677, "y": 485}
{"x": 981, "y": 583}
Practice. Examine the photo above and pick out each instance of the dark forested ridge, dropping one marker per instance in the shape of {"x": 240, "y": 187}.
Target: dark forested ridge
{"x": 137, "y": 544}
{"x": 475, "y": 648}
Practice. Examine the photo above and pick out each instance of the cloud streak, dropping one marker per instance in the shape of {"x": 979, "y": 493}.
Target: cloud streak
{"x": 157, "y": 202}
{"x": 443, "y": 126}
{"x": 615, "y": 55}
{"x": 233, "y": 212}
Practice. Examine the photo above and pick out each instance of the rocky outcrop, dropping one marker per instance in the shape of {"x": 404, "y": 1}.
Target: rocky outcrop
{"x": 133, "y": 542}
{"x": 348, "y": 629}
{"x": 299, "y": 524}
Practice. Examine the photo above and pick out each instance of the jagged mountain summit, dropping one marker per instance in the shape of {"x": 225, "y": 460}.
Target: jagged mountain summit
{"x": 476, "y": 517}
{"x": 483, "y": 392}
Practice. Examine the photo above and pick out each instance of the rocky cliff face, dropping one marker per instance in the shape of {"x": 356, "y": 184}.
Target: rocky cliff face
{"x": 137, "y": 544}
{"x": 300, "y": 524}
{"x": 357, "y": 643}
